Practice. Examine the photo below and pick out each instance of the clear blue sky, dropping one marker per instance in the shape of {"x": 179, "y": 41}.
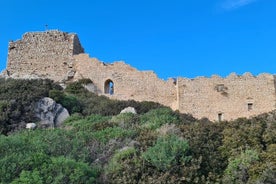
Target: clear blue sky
{"x": 185, "y": 38}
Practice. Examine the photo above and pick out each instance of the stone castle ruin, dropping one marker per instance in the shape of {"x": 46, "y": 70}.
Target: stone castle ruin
{"x": 59, "y": 56}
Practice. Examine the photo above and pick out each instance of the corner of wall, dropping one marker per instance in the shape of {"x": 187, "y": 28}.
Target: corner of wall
{"x": 77, "y": 48}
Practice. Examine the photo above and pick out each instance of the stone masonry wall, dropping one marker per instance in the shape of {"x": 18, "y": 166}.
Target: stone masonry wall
{"x": 227, "y": 98}
{"x": 43, "y": 54}
{"x": 59, "y": 56}
{"x": 129, "y": 83}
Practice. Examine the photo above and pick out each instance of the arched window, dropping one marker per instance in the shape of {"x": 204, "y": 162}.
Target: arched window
{"x": 109, "y": 87}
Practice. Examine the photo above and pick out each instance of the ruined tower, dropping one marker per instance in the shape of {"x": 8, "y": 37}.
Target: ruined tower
{"x": 43, "y": 54}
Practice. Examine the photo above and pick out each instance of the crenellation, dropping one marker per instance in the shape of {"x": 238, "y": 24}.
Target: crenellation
{"x": 59, "y": 56}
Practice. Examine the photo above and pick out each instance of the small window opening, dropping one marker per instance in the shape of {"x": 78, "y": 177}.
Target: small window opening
{"x": 250, "y": 106}
{"x": 109, "y": 87}
{"x": 220, "y": 118}
{"x": 221, "y": 88}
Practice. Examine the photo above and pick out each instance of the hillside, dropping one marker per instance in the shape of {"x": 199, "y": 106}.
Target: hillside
{"x": 97, "y": 144}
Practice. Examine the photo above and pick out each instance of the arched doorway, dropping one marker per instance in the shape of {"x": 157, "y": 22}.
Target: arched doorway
{"x": 109, "y": 87}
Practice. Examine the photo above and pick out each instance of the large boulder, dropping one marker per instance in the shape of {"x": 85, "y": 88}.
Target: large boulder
{"x": 50, "y": 113}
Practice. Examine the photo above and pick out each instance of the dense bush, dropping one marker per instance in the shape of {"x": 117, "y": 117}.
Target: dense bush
{"x": 99, "y": 145}
{"x": 52, "y": 156}
{"x": 156, "y": 118}
{"x": 70, "y": 102}
{"x": 17, "y": 98}
{"x": 168, "y": 152}
{"x": 238, "y": 167}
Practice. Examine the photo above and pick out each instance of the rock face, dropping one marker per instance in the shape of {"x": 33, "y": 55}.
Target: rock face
{"x": 50, "y": 113}
{"x": 129, "y": 110}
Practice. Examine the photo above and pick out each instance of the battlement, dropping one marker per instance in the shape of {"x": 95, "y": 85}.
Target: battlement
{"x": 234, "y": 76}
{"x": 59, "y": 56}
{"x": 227, "y": 98}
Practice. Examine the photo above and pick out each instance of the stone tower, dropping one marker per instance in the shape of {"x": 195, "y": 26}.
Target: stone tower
{"x": 43, "y": 54}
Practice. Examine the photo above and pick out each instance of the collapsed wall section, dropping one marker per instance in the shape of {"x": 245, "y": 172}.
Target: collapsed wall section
{"x": 43, "y": 54}
{"x": 228, "y": 98}
{"x": 127, "y": 82}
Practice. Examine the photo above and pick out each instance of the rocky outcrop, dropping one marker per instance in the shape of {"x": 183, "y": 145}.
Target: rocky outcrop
{"x": 50, "y": 113}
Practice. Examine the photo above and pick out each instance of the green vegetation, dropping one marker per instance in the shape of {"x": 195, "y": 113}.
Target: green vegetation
{"x": 167, "y": 153}
{"x": 99, "y": 145}
{"x": 17, "y": 98}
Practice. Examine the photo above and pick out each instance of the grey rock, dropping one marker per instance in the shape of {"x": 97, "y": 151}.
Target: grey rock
{"x": 70, "y": 74}
{"x": 50, "y": 113}
{"x": 129, "y": 110}
{"x": 31, "y": 126}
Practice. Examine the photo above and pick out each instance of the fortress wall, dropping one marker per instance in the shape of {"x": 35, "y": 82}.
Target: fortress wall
{"x": 43, "y": 54}
{"x": 129, "y": 83}
{"x": 231, "y": 97}
{"x": 59, "y": 56}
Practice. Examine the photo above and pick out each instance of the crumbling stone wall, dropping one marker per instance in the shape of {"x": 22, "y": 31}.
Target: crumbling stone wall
{"x": 129, "y": 83}
{"x": 43, "y": 54}
{"x": 227, "y": 98}
{"x": 60, "y": 57}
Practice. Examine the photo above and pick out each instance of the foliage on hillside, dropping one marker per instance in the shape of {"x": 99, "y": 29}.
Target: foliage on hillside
{"x": 157, "y": 145}
{"x": 18, "y": 97}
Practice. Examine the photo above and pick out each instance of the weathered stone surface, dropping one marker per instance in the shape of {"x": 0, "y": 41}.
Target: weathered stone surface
{"x": 91, "y": 87}
{"x": 129, "y": 110}
{"x": 44, "y": 54}
{"x": 70, "y": 74}
{"x": 50, "y": 113}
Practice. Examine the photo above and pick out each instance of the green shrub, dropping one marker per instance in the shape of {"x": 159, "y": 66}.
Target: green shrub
{"x": 75, "y": 88}
{"x": 72, "y": 119}
{"x": 30, "y": 150}
{"x": 237, "y": 169}
{"x": 85, "y": 81}
{"x": 90, "y": 123}
{"x": 157, "y": 117}
{"x": 112, "y": 133}
{"x": 17, "y": 99}
{"x": 56, "y": 95}
{"x": 242, "y": 134}
{"x": 30, "y": 177}
{"x": 70, "y": 102}
{"x": 126, "y": 120}
{"x": 59, "y": 170}
{"x": 205, "y": 140}
{"x": 168, "y": 152}
{"x": 116, "y": 162}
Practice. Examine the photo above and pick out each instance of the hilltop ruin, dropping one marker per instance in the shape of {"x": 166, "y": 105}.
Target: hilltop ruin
{"x": 59, "y": 56}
